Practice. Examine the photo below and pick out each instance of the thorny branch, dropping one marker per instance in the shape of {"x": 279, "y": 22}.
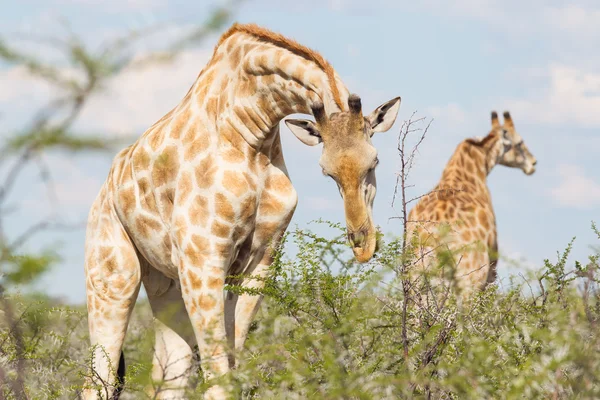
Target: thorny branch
{"x": 431, "y": 312}
{"x": 406, "y": 163}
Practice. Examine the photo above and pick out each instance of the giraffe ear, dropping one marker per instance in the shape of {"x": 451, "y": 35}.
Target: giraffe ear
{"x": 304, "y": 130}
{"x": 384, "y": 116}
{"x": 495, "y": 122}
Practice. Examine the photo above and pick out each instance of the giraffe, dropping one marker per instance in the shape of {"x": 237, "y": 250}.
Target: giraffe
{"x": 204, "y": 194}
{"x": 457, "y": 215}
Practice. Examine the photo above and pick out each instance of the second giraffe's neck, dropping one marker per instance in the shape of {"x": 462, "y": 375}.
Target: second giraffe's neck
{"x": 251, "y": 84}
{"x": 470, "y": 165}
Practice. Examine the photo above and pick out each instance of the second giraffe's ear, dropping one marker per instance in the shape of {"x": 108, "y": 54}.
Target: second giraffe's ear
{"x": 495, "y": 122}
{"x": 384, "y": 116}
{"x": 305, "y": 130}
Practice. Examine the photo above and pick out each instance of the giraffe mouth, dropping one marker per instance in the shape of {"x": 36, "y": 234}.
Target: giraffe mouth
{"x": 364, "y": 244}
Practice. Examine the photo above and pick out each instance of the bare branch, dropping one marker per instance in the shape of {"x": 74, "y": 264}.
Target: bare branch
{"x": 39, "y": 227}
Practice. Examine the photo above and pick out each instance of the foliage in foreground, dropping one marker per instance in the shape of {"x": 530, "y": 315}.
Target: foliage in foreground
{"x": 330, "y": 328}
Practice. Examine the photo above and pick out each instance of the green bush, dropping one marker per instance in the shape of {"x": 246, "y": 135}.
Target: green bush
{"x": 333, "y": 328}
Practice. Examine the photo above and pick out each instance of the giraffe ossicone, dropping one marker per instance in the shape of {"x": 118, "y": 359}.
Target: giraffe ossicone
{"x": 204, "y": 194}
{"x": 457, "y": 216}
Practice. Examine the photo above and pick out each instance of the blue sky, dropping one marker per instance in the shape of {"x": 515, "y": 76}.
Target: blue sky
{"x": 450, "y": 62}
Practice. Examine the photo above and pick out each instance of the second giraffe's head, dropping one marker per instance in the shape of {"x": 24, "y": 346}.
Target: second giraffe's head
{"x": 505, "y": 146}
{"x": 514, "y": 152}
{"x": 350, "y": 158}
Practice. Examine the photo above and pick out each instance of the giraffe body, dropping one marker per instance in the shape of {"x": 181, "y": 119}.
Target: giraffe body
{"x": 204, "y": 194}
{"x": 457, "y": 216}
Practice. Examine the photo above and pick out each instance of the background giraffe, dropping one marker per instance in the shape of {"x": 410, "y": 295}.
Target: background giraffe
{"x": 203, "y": 192}
{"x": 458, "y": 215}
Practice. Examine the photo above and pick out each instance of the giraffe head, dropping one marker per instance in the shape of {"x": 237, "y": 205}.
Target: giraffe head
{"x": 507, "y": 146}
{"x": 515, "y": 154}
{"x": 350, "y": 158}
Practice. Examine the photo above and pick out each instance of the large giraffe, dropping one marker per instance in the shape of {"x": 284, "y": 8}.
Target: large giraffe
{"x": 204, "y": 193}
{"x": 457, "y": 215}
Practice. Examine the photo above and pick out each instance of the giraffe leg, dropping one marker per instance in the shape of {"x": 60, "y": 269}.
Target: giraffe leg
{"x": 247, "y": 305}
{"x": 172, "y": 362}
{"x": 112, "y": 283}
{"x": 202, "y": 290}
{"x": 240, "y": 311}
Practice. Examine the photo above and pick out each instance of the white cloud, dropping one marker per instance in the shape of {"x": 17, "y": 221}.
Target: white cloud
{"x": 137, "y": 98}
{"x": 74, "y": 188}
{"x": 574, "y": 19}
{"x": 569, "y": 96}
{"x": 575, "y": 189}
{"x": 336, "y": 5}
{"x": 568, "y": 31}
{"x": 20, "y": 92}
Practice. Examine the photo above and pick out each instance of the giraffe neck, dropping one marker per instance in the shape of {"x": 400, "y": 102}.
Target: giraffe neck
{"x": 470, "y": 165}
{"x": 251, "y": 84}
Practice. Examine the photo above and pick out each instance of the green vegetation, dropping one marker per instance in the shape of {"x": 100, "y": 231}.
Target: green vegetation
{"x": 332, "y": 328}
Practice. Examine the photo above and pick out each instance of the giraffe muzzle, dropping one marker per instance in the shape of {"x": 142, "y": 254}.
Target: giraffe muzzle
{"x": 357, "y": 238}
{"x": 363, "y": 244}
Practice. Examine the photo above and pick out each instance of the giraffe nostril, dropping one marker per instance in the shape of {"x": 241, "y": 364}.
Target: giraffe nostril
{"x": 351, "y": 237}
{"x": 534, "y": 163}
{"x": 356, "y": 239}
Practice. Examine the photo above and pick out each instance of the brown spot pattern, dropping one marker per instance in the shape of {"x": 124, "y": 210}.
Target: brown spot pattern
{"x": 177, "y": 124}
{"x": 166, "y": 166}
{"x": 166, "y": 199}
{"x": 223, "y": 207}
{"x": 206, "y": 302}
{"x": 215, "y": 283}
{"x": 248, "y": 208}
{"x": 198, "y": 146}
{"x": 233, "y": 155}
{"x": 235, "y": 182}
{"x": 270, "y": 205}
{"x": 146, "y": 226}
{"x": 199, "y": 211}
{"x": 195, "y": 281}
{"x": 205, "y": 173}
{"x": 483, "y": 219}
{"x": 181, "y": 226}
{"x": 220, "y": 230}
{"x": 184, "y": 187}
{"x": 127, "y": 200}
{"x": 156, "y": 137}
